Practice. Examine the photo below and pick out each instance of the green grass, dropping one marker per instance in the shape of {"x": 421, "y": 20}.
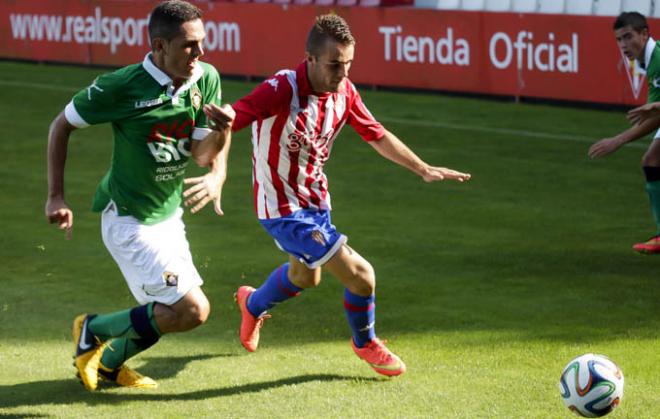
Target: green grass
{"x": 486, "y": 289}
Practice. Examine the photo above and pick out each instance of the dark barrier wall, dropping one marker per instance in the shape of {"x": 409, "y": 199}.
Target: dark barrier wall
{"x": 531, "y": 55}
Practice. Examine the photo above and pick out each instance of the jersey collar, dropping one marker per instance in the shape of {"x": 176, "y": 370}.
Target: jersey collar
{"x": 304, "y": 87}
{"x": 165, "y": 80}
{"x": 648, "y": 52}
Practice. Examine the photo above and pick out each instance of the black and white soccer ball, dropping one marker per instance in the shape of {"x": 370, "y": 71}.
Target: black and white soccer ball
{"x": 591, "y": 385}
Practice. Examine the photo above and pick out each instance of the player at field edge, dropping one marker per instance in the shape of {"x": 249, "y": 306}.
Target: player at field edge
{"x": 632, "y": 36}
{"x": 296, "y": 116}
{"x": 156, "y": 111}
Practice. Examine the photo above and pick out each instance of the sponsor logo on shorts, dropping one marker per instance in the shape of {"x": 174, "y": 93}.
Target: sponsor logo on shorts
{"x": 317, "y": 236}
{"x": 171, "y": 279}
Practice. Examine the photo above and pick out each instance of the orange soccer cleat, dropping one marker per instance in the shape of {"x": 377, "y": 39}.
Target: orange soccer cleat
{"x": 649, "y": 247}
{"x": 250, "y": 325}
{"x": 381, "y": 359}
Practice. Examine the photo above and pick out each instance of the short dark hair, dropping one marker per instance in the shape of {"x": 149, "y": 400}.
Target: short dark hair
{"x": 635, "y": 20}
{"x": 328, "y": 27}
{"x": 166, "y": 19}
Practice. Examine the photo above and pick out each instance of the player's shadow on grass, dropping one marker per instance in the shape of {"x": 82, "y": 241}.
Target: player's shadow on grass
{"x": 70, "y": 391}
{"x": 65, "y": 391}
{"x": 111, "y": 398}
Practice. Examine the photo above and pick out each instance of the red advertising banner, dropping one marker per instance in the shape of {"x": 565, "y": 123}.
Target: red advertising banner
{"x": 563, "y": 57}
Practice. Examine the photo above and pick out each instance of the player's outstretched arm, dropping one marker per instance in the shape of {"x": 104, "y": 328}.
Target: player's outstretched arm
{"x": 220, "y": 118}
{"x": 645, "y": 112}
{"x": 607, "y": 146}
{"x": 212, "y": 151}
{"x": 208, "y": 188}
{"x": 390, "y": 147}
{"x": 57, "y": 210}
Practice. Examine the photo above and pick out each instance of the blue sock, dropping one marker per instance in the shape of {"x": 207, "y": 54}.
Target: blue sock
{"x": 361, "y": 314}
{"x": 276, "y": 289}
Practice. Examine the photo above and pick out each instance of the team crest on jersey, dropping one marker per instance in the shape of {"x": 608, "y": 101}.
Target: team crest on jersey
{"x": 636, "y": 75}
{"x": 196, "y": 98}
{"x": 171, "y": 279}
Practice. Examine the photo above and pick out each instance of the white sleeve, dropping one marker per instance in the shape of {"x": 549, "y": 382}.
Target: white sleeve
{"x": 73, "y": 117}
{"x": 200, "y": 133}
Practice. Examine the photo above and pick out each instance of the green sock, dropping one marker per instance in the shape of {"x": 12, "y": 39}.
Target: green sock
{"x": 124, "y": 339}
{"x": 119, "y": 324}
{"x": 653, "y": 189}
{"x": 118, "y": 351}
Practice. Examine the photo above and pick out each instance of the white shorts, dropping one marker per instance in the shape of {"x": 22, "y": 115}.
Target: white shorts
{"x": 155, "y": 259}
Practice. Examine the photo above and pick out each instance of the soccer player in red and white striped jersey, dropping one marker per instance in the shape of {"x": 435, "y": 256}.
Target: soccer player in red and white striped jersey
{"x": 296, "y": 116}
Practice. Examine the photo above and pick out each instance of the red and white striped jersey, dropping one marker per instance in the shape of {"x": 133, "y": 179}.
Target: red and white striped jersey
{"x": 293, "y": 130}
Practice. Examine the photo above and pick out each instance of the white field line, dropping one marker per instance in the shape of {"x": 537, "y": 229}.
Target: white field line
{"x": 45, "y": 86}
{"x": 430, "y": 124}
{"x": 505, "y": 131}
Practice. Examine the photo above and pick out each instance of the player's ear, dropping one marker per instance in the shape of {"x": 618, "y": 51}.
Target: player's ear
{"x": 158, "y": 45}
{"x": 309, "y": 57}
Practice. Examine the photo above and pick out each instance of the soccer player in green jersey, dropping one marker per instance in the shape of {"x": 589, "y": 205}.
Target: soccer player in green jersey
{"x": 632, "y": 36}
{"x": 155, "y": 108}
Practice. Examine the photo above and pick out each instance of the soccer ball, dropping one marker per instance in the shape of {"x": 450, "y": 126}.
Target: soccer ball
{"x": 591, "y": 385}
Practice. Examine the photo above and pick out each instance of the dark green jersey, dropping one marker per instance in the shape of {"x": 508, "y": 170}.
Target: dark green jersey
{"x": 652, "y": 60}
{"x": 152, "y": 128}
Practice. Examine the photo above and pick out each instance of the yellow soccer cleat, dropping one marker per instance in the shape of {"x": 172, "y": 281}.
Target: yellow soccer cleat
{"x": 88, "y": 352}
{"x": 126, "y": 377}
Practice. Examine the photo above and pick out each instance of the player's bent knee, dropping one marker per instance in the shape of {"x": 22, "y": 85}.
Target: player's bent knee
{"x": 652, "y": 156}
{"x": 651, "y": 161}
{"x": 192, "y": 319}
{"x": 307, "y": 281}
{"x": 365, "y": 288}
{"x": 200, "y": 313}
{"x": 193, "y": 314}
{"x": 305, "y": 278}
{"x": 364, "y": 279}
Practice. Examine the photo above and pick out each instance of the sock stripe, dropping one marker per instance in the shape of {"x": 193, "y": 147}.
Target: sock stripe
{"x": 142, "y": 323}
{"x": 282, "y": 286}
{"x": 351, "y": 307}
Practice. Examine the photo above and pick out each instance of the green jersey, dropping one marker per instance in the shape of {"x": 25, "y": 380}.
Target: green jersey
{"x": 652, "y": 60}
{"x": 152, "y": 128}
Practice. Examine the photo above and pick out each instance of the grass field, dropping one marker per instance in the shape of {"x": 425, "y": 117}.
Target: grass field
{"x": 486, "y": 289}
